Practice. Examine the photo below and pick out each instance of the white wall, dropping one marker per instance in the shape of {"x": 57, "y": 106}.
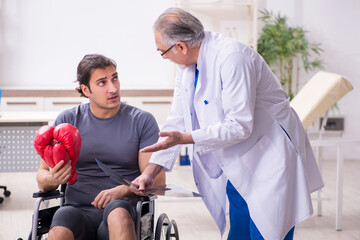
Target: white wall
{"x": 42, "y": 41}
{"x": 335, "y": 25}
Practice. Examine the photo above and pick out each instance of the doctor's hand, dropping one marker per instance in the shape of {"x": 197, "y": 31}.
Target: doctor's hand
{"x": 141, "y": 183}
{"x": 146, "y": 180}
{"x": 171, "y": 139}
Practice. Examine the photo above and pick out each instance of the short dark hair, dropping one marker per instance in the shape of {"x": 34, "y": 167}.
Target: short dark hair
{"x": 87, "y": 65}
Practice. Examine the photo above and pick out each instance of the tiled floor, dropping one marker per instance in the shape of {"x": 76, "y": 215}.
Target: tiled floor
{"x": 192, "y": 217}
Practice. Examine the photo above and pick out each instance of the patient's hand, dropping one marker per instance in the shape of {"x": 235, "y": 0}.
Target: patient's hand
{"x": 106, "y": 196}
{"x": 61, "y": 174}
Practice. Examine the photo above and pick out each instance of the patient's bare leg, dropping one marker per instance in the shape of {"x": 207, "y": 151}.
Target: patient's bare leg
{"x": 60, "y": 232}
{"x": 120, "y": 224}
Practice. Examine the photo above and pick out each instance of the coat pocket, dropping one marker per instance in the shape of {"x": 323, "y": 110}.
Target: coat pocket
{"x": 210, "y": 165}
{"x": 264, "y": 160}
{"x": 211, "y": 110}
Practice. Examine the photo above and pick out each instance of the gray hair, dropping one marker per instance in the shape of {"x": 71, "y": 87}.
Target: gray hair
{"x": 177, "y": 25}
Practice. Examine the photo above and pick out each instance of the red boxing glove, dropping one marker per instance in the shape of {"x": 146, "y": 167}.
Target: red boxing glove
{"x": 60, "y": 143}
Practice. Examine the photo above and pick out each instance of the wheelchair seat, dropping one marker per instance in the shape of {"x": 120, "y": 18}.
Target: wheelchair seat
{"x": 165, "y": 229}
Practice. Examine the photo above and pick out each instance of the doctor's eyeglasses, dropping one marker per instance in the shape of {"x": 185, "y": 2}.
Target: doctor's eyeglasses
{"x": 164, "y": 52}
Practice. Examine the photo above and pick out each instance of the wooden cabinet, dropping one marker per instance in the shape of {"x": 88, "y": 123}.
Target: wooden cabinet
{"x": 158, "y": 106}
{"x": 62, "y": 103}
{"x": 11, "y": 104}
{"x": 16, "y": 104}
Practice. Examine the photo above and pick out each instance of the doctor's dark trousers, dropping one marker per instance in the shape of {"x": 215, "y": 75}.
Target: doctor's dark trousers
{"x": 241, "y": 225}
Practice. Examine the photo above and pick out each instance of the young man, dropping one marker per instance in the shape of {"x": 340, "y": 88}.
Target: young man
{"x": 96, "y": 207}
{"x": 246, "y": 142}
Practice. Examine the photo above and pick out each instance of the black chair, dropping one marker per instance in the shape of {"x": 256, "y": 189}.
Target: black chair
{"x": 166, "y": 229}
{"x": 6, "y": 193}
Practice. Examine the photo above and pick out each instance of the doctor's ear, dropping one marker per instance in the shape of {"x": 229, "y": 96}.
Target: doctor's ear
{"x": 182, "y": 47}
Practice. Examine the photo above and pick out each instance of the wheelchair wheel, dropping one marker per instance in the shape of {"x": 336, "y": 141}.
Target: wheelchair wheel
{"x": 172, "y": 232}
{"x": 161, "y": 227}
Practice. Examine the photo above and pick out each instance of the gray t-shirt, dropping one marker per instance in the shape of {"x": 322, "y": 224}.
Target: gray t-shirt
{"x": 115, "y": 141}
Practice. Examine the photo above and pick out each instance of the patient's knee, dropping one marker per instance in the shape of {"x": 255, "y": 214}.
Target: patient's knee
{"x": 119, "y": 215}
{"x": 60, "y": 232}
{"x": 121, "y": 224}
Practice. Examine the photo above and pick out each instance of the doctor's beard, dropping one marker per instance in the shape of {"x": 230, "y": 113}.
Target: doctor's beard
{"x": 181, "y": 66}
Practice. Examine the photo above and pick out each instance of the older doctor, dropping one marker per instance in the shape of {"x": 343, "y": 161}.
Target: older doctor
{"x": 247, "y": 143}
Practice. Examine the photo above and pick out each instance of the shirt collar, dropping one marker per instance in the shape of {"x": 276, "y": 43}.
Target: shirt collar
{"x": 201, "y": 57}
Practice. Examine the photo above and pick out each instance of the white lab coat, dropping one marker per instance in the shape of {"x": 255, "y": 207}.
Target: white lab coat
{"x": 241, "y": 109}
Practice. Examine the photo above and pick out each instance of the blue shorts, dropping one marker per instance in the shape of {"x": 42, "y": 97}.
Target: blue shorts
{"x": 88, "y": 222}
{"x": 241, "y": 225}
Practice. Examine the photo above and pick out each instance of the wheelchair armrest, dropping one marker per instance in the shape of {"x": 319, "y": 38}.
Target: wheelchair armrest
{"x": 48, "y": 194}
{"x": 51, "y": 194}
{"x": 148, "y": 198}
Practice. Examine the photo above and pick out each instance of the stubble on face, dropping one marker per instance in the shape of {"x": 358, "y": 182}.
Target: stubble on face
{"x": 105, "y": 92}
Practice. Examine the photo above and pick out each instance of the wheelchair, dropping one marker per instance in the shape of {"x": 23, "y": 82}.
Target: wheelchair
{"x": 166, "y": 229}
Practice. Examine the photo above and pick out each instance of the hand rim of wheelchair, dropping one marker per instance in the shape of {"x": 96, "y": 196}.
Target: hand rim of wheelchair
{"x": 166, "y": 229}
